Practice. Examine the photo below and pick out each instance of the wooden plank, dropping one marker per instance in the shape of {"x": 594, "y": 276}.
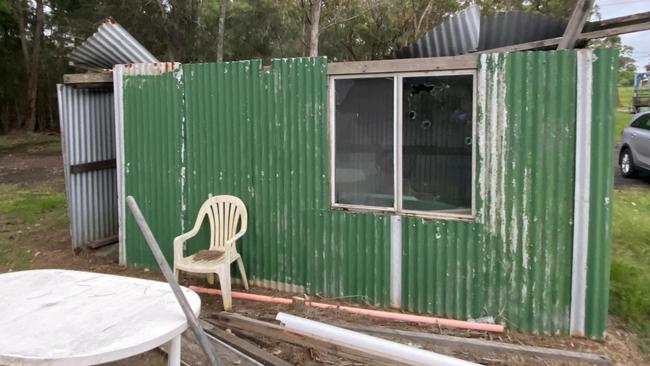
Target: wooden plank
{"x": 618, "y": 21}
{"x": 192, "y": 354}
{"x": 102, "y": 242}
{"x": 95, "y": 165}
{"x": 589, "y": 35}
{"x": 243, "y": 346}
{"x": 241, "y": 323}
{"x": 576, "y": 23}
{"x": 462, "y": 343}
{"x": 88, "y": 78}
{"x": 464, "y": 62}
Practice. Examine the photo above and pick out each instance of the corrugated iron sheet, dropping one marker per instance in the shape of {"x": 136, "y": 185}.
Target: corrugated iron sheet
{"x": 262, "y": 135}
{"x": 109, "y": 46}
{"x": 152, "y": 132}
{"x": 515, "y": 27}
{"x": 455, "y": 36}
{"x": 467, "y": 31}
{"x": 600, "y": 217}
{"x": 87, "y": 126}
{"x": 514, "y": 262}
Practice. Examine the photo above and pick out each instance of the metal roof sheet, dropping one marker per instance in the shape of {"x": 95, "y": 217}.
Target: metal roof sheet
{"x": 455, "y": 36}
{"x": 467, "y": 31}
{"x": 110, "y": 45}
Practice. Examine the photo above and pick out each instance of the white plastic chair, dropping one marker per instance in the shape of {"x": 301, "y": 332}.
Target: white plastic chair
{"x": 225, "y": 213}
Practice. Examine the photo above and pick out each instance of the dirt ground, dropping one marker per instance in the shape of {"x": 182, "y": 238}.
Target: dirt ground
{"x": 48, "y": 246}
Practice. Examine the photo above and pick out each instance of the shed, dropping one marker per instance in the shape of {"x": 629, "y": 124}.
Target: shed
{"x": 466, "y": 186}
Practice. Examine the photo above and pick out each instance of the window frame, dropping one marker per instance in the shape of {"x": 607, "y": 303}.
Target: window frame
{"x": 397, "y": 209}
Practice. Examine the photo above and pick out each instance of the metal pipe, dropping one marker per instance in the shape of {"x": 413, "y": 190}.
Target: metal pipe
{"x": 373, "y": 345}
{"x": 442, "y": 322}
{"x": 167, "y": 272}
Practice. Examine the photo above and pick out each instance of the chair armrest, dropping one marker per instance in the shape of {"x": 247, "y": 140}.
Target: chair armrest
{"x": 231, "y": 241}
{"x": 179, "y": 244}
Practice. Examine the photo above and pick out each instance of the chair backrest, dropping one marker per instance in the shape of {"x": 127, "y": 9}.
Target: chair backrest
{"x": 225, "y": 213}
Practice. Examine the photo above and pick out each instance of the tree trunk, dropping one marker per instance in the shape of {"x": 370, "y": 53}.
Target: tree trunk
{"x": 222, "y": 26}
{"x": 33, "y": 69}
{"x": 314, "y": 19}
{"x": 22, "y": 29}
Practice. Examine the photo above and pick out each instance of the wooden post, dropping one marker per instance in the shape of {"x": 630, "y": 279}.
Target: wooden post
{"x": 576, "y": 23}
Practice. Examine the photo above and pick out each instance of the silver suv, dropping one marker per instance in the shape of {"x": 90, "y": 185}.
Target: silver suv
{"x": 635, "y": 146}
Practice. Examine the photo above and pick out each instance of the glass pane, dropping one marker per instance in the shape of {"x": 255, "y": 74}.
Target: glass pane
{"x": 437, "y": 143}
{"x": 364, "y": 142}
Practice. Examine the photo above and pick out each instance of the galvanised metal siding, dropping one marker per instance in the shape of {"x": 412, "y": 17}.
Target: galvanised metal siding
{"x": 262, "y": 135}
{"x": 604, "y": 71}
{"x": 153, "y": 172}
{"x": 110, "y": 45}
{"x": 87, "y": 126}
{"x": 514, "y": 261}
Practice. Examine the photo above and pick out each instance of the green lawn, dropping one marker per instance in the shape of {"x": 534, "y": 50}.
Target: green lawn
{"x": 623, "y": 114}
{"x": 21, "y": 208}
{"x": 630, "y": 276}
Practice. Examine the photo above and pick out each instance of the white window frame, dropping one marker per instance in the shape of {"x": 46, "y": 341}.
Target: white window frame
{"x": 398, "y": 79}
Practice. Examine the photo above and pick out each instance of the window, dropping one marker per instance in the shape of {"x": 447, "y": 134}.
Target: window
{"x": 643, "y": 122}
{"x": 403, "y": 143}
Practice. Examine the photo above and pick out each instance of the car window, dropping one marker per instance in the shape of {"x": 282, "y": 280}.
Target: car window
{"x": 642, "y": 122}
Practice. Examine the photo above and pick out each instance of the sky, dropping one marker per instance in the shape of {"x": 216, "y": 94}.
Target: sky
{"x": 640, "y": 41}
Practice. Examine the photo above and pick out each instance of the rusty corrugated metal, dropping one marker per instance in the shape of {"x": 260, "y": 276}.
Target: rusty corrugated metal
{"x": 514, "y": 261}
{"x": 262, "y": 135}
{"x": 109, "y": 46}
{"x": 87, "y": 127}
{"x": 605, "y": 71}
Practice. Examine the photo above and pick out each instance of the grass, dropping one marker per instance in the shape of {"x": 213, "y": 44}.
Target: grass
{"x": 623, "y": 114}
{"x": 21, "y": 208}
{"x": 630, "y": 275}
{"x": 29, "y": 142}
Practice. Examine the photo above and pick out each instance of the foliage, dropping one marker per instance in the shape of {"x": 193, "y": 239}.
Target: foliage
{"x": 626, "y": 63}
{"x": 630, "y": 275}
{"x": 186, "y": 31}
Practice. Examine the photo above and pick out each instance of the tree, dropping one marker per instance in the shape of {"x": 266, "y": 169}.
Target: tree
{"x": 31, "y": 56}
{"x": 220, "y": 31}
{"x": 626, "y": 63}
{"x": 314, "y": 20}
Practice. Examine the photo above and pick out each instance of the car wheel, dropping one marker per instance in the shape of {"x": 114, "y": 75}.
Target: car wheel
{"x": 626, "y": 163}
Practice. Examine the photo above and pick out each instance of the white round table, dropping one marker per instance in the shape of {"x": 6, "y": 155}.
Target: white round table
{"x": 61, "y": 317}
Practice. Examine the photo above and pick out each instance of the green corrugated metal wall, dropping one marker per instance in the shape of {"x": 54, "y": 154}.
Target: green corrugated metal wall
{"x": 262, "y": 135}
{"x": 153, "y": 139}
{"x": 605, "y": 69}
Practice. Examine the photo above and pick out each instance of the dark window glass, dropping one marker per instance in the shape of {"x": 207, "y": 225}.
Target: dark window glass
{"x": 641, "y": 121}
{"x": 437, "y": 143}
{"x": 364, "y": 141}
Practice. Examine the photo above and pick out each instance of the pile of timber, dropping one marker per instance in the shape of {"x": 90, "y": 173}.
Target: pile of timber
{"x": 253, "y": 328}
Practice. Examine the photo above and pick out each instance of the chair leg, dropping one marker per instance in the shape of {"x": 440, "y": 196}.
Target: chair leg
{"x": 211, "y": 278}
{"x": 224, "y": 281}
{"x": 176, "y": 274}
{"x": 242, "y": 271}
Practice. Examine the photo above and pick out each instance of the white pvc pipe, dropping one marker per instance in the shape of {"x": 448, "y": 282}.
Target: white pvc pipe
{"x": 369, "y": 344}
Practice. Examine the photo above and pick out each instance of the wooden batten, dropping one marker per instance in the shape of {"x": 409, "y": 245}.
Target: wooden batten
{"x": 464, "y": 62}
{"x": 89, "y": 79}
